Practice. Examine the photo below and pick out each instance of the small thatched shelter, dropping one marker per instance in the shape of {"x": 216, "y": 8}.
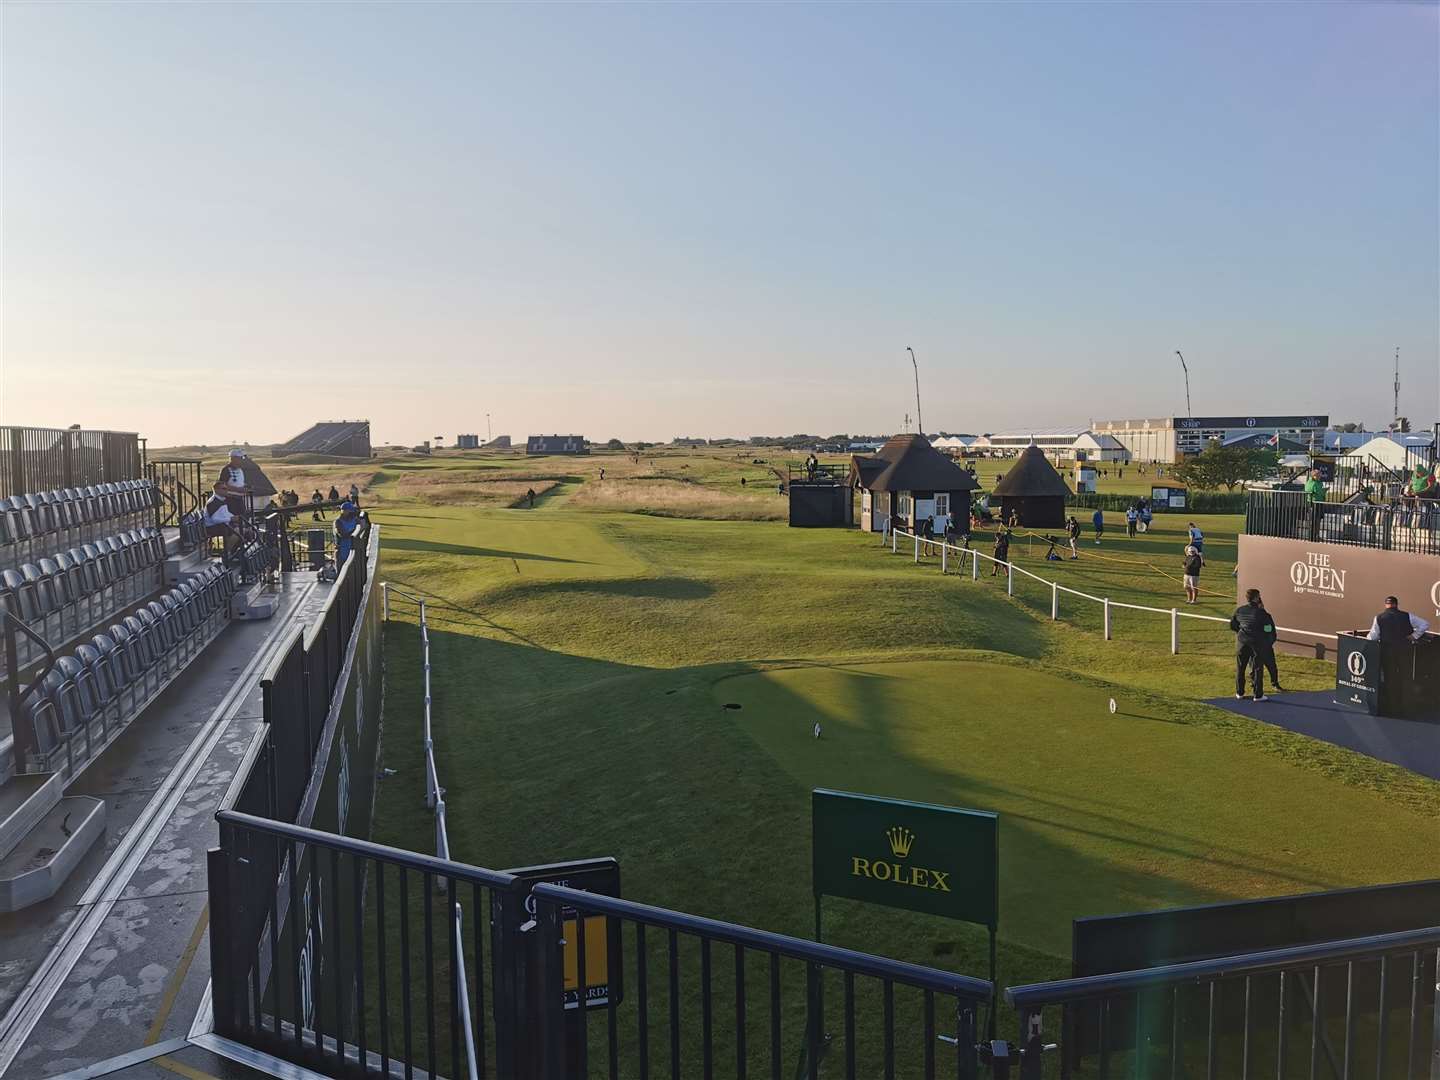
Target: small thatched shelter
{"x": 908, "y": 481}
{"x": 1032, "y": 487}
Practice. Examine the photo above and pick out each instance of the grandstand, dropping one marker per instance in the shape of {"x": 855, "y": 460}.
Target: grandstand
{"x": 330, "y": 438}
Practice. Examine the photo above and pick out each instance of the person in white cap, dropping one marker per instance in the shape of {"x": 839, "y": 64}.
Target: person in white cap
{"x": 230, "y": 484}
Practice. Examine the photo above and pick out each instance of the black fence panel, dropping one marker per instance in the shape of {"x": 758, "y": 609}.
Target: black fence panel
{"x": 36, "y": 459}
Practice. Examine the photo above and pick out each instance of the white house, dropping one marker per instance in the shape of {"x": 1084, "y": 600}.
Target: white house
{"x": 1389, "y": 449}
{"x": 1100, "y": 448}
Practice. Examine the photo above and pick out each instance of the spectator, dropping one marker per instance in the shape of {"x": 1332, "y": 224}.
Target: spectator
{"x": 334, "y": 495}
{"x": 1193, "y": 562}
{"x": 1314, "y": 495}
{"x": 318, "y": 502}
{"x": 355, "y": 495}
{"x": 1254, "y": 637}
{"x": 218, "y": 519}
{"x": 530, "y": 498}
{"x": 346, "y": 526}
{"x": 1002, "y": 550}
{"x": 231, "y": 486}
{"x": 1098, "y": 520}
{"x": 1072, "y": 530}
{"x": 1132, "y": 516}
{"x": 1197, "y": 539}
{"x": 1014, "y": 522}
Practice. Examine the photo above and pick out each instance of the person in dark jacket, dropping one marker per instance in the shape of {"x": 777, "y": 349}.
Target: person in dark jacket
{"x": 1002, "y": 550}
{"x": 1254, "y": 639}
{"x": 1193, "y": 562}
{"x": 1098, "y": 520}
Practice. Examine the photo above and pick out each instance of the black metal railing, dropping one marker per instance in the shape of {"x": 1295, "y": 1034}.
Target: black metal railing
{"x": 43, "y": 459}
{"x": 1410, "y": 526}
{"x": 704, "y": 998}
{"x": 180, "y": 487}
{"x": 1359, "y": 1007}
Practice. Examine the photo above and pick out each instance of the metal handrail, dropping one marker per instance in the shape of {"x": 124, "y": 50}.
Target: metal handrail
{"x": 1059, "y": 991}
{"x": 1097, "y": 599}
{"x": 813, "y": 952}
{"x": 367, "y": 849}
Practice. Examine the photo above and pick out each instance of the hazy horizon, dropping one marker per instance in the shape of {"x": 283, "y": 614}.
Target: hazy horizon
{"x": 641, "y": 222}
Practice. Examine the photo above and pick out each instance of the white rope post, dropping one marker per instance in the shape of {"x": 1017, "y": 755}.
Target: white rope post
{"x": 1054, "y": 601}
{"x": 974, "y": 566}
{"x": 1174, "y": 631}
{"x": 1107, "y": 618}
{"x": 916, "y": 538}
{"x": 1009, "y": 579}
{"x": 944, "y": 551}
{"x": 894, "y": 539}
{"x": 384, "y": 601}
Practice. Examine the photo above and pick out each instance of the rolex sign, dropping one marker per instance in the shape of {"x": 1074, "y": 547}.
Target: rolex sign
{"x": 934, "y": 859}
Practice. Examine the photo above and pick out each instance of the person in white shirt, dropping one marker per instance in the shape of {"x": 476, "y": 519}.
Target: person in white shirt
{"x": 230, "y": 485}
{"x": 1395, "y": 624}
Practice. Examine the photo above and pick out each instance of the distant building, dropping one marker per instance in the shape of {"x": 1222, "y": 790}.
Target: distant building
{"x": 556, "y": 444}
{"x": 690, "y": 442}
{"x": 467, "y": 442}
{"x": 953, "y": 443}
{"x": 330, "y": 438}
{"x": 1032, "y": 489}
{"x": 909, "y": 481}
{"x": 1056, "y": 441}
{"x": 1173, "y": 438}
{"x": 500, "y": 442}
{"x": 1395, "y": 451}
{"x": 1098, "y": 448}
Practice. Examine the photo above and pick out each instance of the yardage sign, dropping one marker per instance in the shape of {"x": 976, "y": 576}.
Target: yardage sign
{"x": 603, "y": 969}
{"x": 933, "y": 859}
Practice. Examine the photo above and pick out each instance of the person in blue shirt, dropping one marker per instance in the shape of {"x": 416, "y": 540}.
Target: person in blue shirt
{"x": 1197, "y": 540}
{"x": 1099, "y": 522}
{"x": 345, "y": 527}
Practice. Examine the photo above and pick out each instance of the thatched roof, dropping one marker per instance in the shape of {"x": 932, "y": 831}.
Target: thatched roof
{"x": 909, "y": 463}
{"x": 1032, "y": 475}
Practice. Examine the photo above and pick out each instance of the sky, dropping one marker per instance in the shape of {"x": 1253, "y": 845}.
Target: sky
{"x": 224, "y": 222}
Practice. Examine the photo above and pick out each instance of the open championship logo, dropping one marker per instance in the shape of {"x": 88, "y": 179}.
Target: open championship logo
{"x": 1435, "y": 595}
{"x": 1356, "y": 664}
{"x": 1314, "y": 574}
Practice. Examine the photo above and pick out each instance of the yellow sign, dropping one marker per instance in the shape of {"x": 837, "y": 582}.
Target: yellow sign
{"x": 597, "y": 961}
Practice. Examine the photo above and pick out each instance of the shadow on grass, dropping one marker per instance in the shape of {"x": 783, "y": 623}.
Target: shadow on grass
{"x": 661, "y": 588}
{"x": 432, "y": 547}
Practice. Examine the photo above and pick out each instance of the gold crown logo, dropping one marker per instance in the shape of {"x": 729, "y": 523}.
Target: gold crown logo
{"x": 900, "y": 840}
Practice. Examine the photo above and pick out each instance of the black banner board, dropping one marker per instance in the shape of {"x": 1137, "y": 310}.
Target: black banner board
{"x": 1357, "y": 673}
{"x": 1211, "y": 423}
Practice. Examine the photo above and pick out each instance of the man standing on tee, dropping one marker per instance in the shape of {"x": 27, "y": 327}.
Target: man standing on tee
{"x": 1098, "y": 520}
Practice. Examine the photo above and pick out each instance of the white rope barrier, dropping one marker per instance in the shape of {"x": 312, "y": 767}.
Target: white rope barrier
{"x": 1107, "y": 605}
{"x": 435, "y": 799}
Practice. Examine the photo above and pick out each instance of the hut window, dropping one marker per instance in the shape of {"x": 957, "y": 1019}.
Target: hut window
{"x": 942, "y": 503}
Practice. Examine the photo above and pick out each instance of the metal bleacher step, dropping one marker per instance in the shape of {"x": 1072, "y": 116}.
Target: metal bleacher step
{"x": 24, "y": 801}
{"x": 178, "y": 567}
{"x": 253, "y": 602}
{"x": 48, "y": 853}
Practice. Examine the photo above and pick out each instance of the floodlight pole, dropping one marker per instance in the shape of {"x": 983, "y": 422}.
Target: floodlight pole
{"x": 919, "y": 423}
{"x": 1187, "y": 383}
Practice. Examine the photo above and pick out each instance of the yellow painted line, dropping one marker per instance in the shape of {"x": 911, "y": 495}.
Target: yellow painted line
{"x": 177, "y": 978}
{"x": 181, "y": 1069}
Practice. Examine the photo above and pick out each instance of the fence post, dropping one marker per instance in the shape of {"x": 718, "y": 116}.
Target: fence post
{"x": 1107, "y": 618}
{"x": 384, "y": 601}
{"x": 1009, "y": 579}
{"x": 894, "y": 540}
{"x": 974, "y": 566}
{"x": 1054, "y": 600}
{"x": 1174, "y": 631}
{"x": 916, "y": 538}
{"x": 944, "y": 551}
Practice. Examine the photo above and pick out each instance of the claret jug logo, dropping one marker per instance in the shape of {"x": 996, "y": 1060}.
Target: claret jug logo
{"x": 1356, "y": 664}
{"x": 901, "y": 840}
{"x": 1314, "y": 574}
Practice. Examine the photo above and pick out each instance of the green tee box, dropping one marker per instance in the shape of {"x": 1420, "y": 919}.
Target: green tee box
{"x": 934, "y": 859}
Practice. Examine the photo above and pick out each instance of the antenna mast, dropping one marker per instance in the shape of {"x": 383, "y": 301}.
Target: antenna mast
{"x": 1395, "y": 416}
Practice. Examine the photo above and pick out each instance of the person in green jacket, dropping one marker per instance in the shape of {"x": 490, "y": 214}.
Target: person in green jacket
{"x": 1315, "y": 487}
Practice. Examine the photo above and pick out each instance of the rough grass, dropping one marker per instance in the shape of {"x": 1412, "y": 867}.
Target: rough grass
{"x": 679, "y": 499}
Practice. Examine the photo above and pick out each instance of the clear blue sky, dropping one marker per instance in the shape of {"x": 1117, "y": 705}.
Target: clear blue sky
{"x": 223, "y": 222}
